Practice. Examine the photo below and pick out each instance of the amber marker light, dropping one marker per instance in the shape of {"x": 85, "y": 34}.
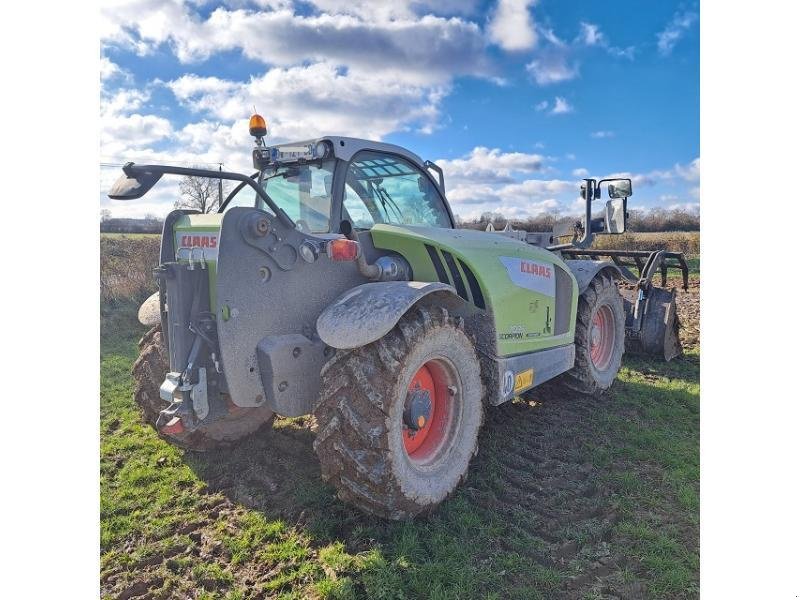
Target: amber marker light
{"x": 258, "y": 126}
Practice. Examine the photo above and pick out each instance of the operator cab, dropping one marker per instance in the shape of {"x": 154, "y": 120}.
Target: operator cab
{"x": 322, "y": 183}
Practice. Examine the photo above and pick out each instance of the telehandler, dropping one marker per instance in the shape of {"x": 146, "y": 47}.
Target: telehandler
{"x": 334, "y": 282}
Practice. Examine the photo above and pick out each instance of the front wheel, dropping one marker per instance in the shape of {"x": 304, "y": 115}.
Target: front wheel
{"x": 398, "y": 420}
{"x": 599, "y": 338}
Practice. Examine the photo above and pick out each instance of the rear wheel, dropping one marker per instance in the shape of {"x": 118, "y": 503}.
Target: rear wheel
{"x": 398, "y": 420}
{"x": 599, "y": 338}
{"x": 149, "y": 372}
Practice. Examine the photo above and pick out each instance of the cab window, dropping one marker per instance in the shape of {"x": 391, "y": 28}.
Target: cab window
{"x": 384, "y": 188}
{"x": 303, "y": 191}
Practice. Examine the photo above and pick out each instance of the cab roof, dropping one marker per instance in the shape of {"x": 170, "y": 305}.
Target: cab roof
{"x": 345, "y": 148}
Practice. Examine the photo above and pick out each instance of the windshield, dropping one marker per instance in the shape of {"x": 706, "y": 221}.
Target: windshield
{"x": 384, "y": 188}
{"x": 303, "y": 191}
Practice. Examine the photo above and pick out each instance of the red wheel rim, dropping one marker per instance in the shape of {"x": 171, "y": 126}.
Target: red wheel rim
{"x": 433, "y": 435}
{"x": 601, "y": 337}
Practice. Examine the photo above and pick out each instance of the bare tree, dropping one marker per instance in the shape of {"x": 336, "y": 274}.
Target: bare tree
{"x": 105, "y": 214}
{"x": 200, "y": 193}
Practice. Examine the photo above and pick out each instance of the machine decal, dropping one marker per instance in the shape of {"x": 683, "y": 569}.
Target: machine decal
{"x": 523, "y": 380}
{"x": 517, "y": 332}
{"x": 531, "y": 274}
{"x": 198, "y": 244}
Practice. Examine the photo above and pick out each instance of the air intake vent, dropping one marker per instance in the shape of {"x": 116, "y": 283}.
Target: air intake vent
{"x": 456, "y": 274}
{"x": 474, "y": 286}
{"x": 451, "y": 272}
{"x": 437, "y": 264}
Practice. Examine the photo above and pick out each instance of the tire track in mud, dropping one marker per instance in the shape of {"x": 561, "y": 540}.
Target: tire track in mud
{"x": 539, "y": 454}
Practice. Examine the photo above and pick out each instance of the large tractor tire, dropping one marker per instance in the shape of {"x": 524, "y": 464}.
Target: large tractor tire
{"x": 149, "y": 371}
{"x": 398, "y": 419}
{"x": 599, "y": 338}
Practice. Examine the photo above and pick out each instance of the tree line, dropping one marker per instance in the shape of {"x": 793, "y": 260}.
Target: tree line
{"x": 653, "y": 220}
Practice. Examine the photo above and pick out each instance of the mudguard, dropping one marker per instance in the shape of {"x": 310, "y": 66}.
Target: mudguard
{"x": 586, "y": 270}
{"x": 369, "y": 311}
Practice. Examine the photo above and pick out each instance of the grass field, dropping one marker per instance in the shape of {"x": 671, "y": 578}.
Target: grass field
{"x": 567, "y": 498}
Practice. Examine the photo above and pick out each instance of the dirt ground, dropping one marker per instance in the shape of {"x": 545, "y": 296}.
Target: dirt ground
{"x": 564, "y": 500}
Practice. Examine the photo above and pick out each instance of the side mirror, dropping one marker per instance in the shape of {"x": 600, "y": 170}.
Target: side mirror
{"x": 620, "y": 188}
{"x": 616, "y": 215}
{"x": 133, "y": 184}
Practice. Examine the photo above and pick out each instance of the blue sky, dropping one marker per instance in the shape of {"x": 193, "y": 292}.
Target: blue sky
{"x": 516, "y": 100}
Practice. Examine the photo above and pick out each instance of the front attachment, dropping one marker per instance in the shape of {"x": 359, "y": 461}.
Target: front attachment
{"x": 651, "y": 315}
{"x": 651, "y": 324}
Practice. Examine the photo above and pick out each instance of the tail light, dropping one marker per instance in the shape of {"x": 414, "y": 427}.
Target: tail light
{"x": 343, "y": 250}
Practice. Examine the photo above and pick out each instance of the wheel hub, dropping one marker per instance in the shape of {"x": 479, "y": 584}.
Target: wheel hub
{"x": 428, "y": 412}
{"x": 418, "y": 408}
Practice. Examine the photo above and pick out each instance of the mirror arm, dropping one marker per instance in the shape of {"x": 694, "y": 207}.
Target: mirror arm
{"x": 131, "y": 169}
{"x": 586, "y": 238}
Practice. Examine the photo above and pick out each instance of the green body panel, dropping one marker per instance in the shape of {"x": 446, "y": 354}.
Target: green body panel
{"x": 204, "y": 226}
{"x": 520, "y": 314}
{"x": 523, "y": 318}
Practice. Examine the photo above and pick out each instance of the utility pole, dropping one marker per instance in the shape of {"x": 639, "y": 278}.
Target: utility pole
{"x": 219, "y": 204}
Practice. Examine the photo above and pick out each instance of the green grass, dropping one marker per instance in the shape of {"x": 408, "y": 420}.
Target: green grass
{"x": 166, "y": 526}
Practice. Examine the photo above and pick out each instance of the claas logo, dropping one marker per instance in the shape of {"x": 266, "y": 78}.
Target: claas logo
{"x": 198, "y": 241}
{"x": 535, "y": 269}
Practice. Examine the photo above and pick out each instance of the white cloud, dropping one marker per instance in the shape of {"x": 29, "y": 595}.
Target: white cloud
{"x": 602, "y": 134}
{"x": 318, "y": 99}
{"x": 581, "y": 172}
{"x": 484, "y": 165}
{"x": 557, "y": 60}
{"x": 394, "y": 9}
{"x": 674, "y": 31}
{"x": 553, "y": 63}
{"x": 511, "y": 26}
{"x": 561, "y": 106}
{"x": 690, "y": 172}
{"x": 111, "y": 70}
{"x": 541, "y": 106}
{"x": 490, "y": 180}
{"x": 552, "y": 68}
{"x": 121, "y": 128}
{"x": 425, "y": 49}
{"x": 591, "y": 35}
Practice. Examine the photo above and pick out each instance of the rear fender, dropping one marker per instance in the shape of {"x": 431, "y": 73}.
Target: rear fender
{"x": 586, "y": 270}
{"x": 369, "y": 311}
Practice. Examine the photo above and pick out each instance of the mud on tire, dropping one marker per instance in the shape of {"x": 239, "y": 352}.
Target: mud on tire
{"x": 149, "y": 371}
{"x": 361, "y": 441}
{"x": 600, "y": 318}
